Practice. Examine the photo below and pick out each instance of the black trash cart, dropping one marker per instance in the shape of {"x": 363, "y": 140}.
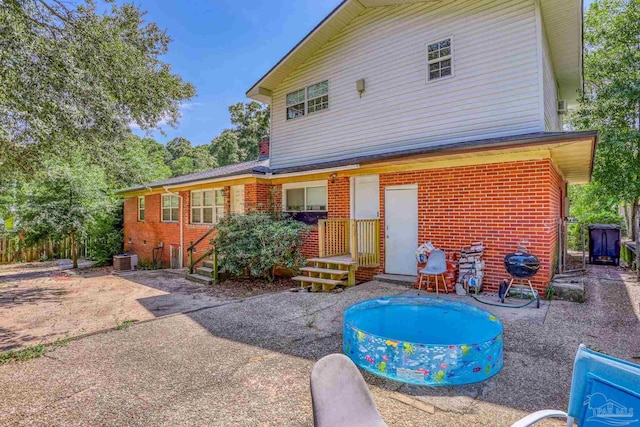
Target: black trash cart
{"x": 604, "y": 244}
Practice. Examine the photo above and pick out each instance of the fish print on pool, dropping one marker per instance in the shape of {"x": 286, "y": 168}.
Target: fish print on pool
{"x": 423, "y": 363}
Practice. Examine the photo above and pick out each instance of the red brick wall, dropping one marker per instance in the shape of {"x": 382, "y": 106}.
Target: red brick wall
{"x": 148, "y": 234}
{"x": 339, "y": 198}
{"x": 503, "y": 205}
{"x": 260, "y": 196}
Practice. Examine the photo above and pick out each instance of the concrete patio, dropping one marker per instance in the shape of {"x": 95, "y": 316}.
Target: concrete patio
{"x": 247, "y": 362}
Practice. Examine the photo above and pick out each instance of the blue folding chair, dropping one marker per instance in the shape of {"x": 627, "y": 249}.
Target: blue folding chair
{"x": 605, "y": 392}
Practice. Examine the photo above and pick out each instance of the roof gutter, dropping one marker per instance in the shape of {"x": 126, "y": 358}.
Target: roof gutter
{"x": 312, "y": 171}
{"x": 187, "y": 183}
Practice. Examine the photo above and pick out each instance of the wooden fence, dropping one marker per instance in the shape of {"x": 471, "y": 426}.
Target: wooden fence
{"x": 14, "y": 250}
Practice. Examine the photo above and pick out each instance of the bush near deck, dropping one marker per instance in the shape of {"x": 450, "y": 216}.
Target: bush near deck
{"x": 259, "y": 242}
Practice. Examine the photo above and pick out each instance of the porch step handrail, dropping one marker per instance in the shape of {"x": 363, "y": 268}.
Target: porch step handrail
{"x": 359, "y": 238}
{"x": 191, "y": 248}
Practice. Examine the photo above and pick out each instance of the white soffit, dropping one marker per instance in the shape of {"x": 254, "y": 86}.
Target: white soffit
{"x": 563, "y": 24}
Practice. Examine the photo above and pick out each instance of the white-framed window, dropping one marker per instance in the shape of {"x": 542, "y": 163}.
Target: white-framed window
{"x": 170, "y": 208}
{"x": 309, "y": 100}
{"x": 207, "y": 206}
{"x": 305, "y": 197}
{"x": 440, "y": 59}
{"x": 140, "y": 208}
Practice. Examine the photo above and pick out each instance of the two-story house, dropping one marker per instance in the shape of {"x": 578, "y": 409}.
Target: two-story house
{"x": 395, "y": 122}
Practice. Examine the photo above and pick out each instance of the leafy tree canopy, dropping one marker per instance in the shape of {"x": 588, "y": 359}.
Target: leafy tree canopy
{"x": 250, "y": 124}
{"x": 611, "y": 103}
{"x": 73, "y": 78}
{"x": 611, "y": 100}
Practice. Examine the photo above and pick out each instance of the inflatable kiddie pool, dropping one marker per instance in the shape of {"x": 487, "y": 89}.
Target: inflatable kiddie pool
{"x": 423, "y": 340}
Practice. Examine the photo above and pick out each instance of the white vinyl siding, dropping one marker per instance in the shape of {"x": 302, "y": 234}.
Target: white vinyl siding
{"x": 551, "y": 118}
{"x": 207, "y": 206}
{"x": 141, "y": 208}
{"x": 494, "y": 93}
{"x": 170, "y": 208}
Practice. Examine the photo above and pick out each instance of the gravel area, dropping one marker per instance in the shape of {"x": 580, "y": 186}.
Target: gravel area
{"x": 247, "y": 363}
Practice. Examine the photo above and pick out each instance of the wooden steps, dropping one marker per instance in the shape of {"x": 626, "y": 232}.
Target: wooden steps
{"x": 318, "y": 283}
{"x": 203, "y": 274}
{"x": 332, "y": 260}
{"x": 340, "y": 273}
{"x": 324, "y": 274}
{"x": 200, "y": 278}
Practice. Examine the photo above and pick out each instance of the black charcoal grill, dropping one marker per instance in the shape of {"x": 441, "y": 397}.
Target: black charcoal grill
{"x": 521, "y": 266}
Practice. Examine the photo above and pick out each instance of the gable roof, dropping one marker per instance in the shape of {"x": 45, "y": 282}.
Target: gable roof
{"x": 563, "y": 26}
{"x": 253, "y": 167}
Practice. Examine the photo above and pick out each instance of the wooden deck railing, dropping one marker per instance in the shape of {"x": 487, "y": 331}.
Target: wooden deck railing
{"x": 359, "y": 238}
{"x": 333, "y": 237}
{"x": 365, "y": 242}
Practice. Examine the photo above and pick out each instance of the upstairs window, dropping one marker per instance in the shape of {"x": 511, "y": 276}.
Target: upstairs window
{"x": 141, "y": 208}
{"x": 439, "y": 59}
{"x": 207, "y": 206}
{"x": 305, "y": 197}
{"x": 170, "y": 208}
{"x": 306, "y": 101}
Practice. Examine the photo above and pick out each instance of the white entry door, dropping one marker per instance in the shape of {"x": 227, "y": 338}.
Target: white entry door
{"x": 366, "y": 197}
{"x": 401, "y": 229}
{"x": 237, "y": 199}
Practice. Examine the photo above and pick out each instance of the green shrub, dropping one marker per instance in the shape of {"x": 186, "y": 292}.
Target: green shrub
{"x": 105, "y": 237}
{"x": 259, "y": 242}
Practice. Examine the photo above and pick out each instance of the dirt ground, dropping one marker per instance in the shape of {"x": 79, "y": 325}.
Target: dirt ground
{"x": 246, "y": 362}
{"x": 43, "y": 302}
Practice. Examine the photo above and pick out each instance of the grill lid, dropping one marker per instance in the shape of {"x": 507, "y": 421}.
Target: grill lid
{"x": 521, "y": 264}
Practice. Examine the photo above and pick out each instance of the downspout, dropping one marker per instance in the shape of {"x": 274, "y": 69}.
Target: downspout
{"x": 180, "y": 223}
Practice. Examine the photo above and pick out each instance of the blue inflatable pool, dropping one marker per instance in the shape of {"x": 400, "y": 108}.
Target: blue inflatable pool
{"x": 423, "y": 340}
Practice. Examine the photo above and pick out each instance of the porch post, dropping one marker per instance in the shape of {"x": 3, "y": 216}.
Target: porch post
{"x": 354, "y": 239}
{"x": 322, "y": 225}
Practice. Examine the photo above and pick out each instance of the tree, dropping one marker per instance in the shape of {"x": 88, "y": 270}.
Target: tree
{"x": 64, "y": 199}
{"x": 75, "y": 79}
{"x": 145, "y": 160}
{"x": 611, "y": 99}
{"x": 179, "y": 147}
{"x": 186, "y": 159}
{"x": 250, "y": 124}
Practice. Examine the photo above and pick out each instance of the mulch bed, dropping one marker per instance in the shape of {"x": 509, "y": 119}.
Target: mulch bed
{"x": 247, "y": 287}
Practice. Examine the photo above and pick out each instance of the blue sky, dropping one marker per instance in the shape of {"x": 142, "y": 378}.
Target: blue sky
{"x": 223, "y": 47}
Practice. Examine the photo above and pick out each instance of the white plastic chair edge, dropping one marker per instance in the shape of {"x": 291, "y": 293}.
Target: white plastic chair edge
{"x": 531, "y": 419}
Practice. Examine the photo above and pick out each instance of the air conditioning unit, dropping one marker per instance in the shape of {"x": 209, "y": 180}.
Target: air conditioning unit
{"x": 562, "y": 107}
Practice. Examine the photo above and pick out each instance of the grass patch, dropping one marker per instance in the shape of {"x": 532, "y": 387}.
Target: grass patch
{"x": 124, "y": 324}
{"x": 32, "y": 351}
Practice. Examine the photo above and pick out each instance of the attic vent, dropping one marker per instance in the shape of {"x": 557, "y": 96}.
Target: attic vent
{"x": 562, "y": 107}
